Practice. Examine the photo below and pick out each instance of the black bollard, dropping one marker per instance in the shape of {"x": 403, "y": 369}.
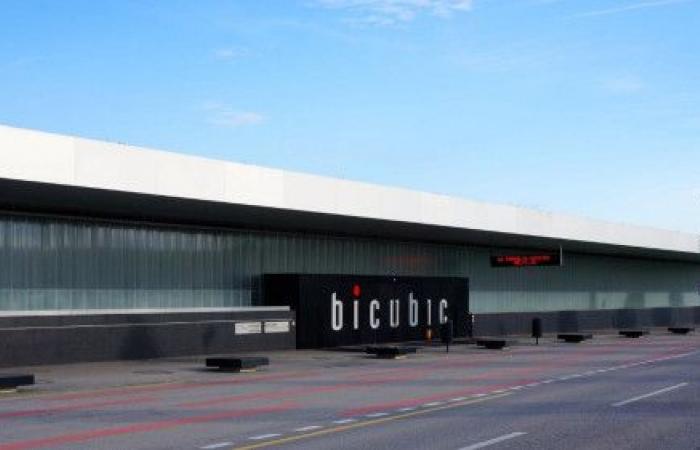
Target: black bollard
{"x": 537, "y": 329}
{"x": 447, "y": 334}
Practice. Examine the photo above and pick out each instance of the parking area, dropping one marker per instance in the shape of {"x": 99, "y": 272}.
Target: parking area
{"x": 605, "y": 392}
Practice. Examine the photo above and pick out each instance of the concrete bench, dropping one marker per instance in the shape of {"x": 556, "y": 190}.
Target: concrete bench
{"x": 681, "y": 330}
{"x": 238, "y": 364}
{"x": 349, "y": 349}
{"x": 389, "y": 351}
{"x": 574, "y": 337}
{"x": 635, "y": 333}
{"x": 492, "y": 343}
{"x": 13, "y": 380}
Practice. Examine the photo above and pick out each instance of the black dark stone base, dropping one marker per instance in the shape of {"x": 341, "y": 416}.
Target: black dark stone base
{"x": 681, "y": 330}
{"x": 389, "y": 351}
{"x": 28, "y": 341}
{"x": 633, "y": 333}
{"x": 492, "y": 343}
{"x": 237, "y": 364}
{"x": 555, "y": 322}
{"x": 574, "y": 337}
{"x": 12, "y": 381}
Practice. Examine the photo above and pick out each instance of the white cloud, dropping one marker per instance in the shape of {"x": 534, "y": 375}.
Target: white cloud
{"x": 389, "y": 12}
{"x": 631, "y": 7}
{"x": 225, "y": 116}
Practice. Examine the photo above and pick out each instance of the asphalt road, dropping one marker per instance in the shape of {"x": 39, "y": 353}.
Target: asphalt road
{"x": 606, "y": 393}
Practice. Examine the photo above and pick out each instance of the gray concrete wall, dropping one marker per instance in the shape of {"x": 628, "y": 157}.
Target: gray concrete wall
{"x": 107, "y": 337}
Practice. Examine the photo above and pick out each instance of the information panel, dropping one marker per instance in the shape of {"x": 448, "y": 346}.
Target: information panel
{"x": 334, "y": 310}
{"x": 277, "y": 326}
{"x": 248, "y": 327}
{"x": 542, "y": 259}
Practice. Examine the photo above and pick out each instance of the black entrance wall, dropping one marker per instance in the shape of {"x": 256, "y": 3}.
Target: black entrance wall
{"x": 334, "y": 310}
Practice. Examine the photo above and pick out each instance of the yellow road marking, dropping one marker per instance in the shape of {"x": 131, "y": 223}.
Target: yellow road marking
{"x": 366, "y": 423}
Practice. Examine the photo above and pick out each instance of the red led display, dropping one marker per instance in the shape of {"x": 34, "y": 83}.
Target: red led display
{"x": 545, "y": 259}
{"x": 356, "y": 290}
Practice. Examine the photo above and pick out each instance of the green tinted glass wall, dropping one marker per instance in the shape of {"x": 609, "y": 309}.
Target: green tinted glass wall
{"x": 48, "y": 264}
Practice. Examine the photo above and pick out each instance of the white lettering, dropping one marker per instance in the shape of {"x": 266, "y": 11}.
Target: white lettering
{"x": 394, "y": 313}
{"x": 412, "y": 310}
{"x": 356, "y": 315}
{"x": 336, "y": 313}
{"x": 443, "y": 311}
{"x": 375, "y": 316}
{"x": 373, "y": 306}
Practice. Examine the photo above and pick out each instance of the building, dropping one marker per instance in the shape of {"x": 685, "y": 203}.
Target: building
{"x": 109, "y": 251}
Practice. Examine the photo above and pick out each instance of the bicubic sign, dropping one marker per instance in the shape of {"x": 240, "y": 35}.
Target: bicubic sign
{"x": 333, "y": 310}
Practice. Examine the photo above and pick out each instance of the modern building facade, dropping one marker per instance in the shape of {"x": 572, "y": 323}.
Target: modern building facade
{"x": 109, "y": 251}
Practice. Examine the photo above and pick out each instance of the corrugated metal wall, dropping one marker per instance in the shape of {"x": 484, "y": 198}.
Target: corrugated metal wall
{"x": 49, "y": 263}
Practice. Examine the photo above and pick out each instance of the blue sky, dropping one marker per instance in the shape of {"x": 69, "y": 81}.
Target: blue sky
{"x": 587, "y": 107}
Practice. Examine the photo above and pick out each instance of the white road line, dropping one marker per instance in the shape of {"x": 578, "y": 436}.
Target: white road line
{"x": 344, "y": 421}
{"x": 309, "y": 428}
{"x": 479, "y": 395}
{"x": 651, "y": 394}
{"x": 457, "y": 399}
{"x": 264, "y": 436}
{"x": 377, "y": 414}
{"x": 498, "y": 391}
{"x": 406, "y": 409}
{"x": 493, "y": 441}
{"x": 430, "y": 405}
{"x": 219, "y": 445}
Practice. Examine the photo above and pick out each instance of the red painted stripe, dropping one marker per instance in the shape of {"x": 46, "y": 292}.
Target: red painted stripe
{"x": 121, "y": 391}
{"x": 401, "y": 374}
{"x": 82, "y": 436}
{"x": 74, "y": 407}
{"x": 266, "y": 395}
